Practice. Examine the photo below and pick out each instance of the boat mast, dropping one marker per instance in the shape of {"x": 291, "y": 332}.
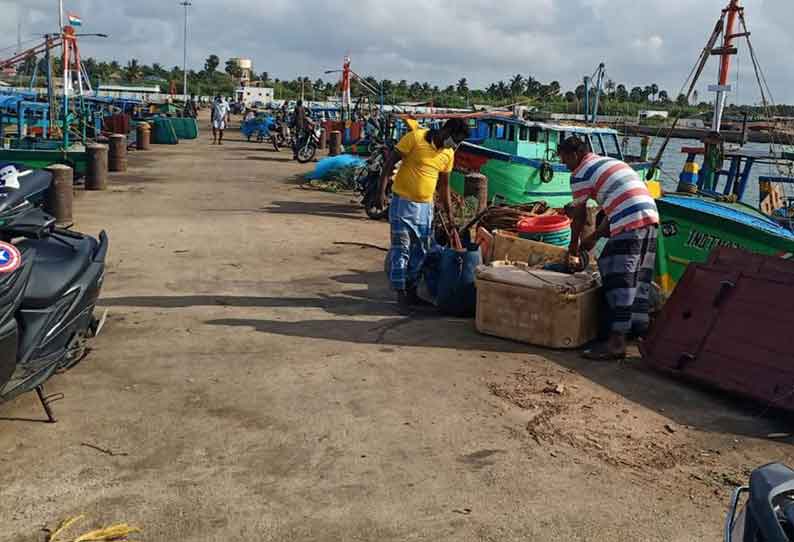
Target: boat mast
{"x": 726, "y": 51}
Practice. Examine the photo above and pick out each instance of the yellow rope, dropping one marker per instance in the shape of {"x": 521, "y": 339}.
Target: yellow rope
{"x": 117, "y": 532}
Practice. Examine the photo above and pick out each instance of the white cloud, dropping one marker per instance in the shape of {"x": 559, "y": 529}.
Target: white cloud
{"x": 641, "y": 41}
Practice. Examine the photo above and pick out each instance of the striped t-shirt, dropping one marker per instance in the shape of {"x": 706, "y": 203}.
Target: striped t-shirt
{"x": 618, "y": 190}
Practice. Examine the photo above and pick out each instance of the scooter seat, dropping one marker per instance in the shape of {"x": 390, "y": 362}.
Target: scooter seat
{"x": 57, "y": 266}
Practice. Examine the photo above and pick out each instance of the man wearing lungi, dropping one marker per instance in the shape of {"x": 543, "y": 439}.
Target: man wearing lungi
{"x": 631, "y": 221}
{"x": 427, "y": 160}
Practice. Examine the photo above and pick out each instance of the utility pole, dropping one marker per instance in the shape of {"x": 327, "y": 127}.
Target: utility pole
{"x": 60, "y": 16}
{"x": 186, "y": 4}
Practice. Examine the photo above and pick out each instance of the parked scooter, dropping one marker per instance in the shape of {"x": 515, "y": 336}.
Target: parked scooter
{"x": 768, "y": 511}
{"x": 50, "y": 279}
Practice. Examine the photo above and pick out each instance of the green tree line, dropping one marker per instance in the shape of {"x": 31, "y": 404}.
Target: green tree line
{"x": 217, "y": 78}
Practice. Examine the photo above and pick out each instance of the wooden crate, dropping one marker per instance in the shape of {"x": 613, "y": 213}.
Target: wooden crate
{"x": 538, "y": 307}
{"x": 511, "y": 248}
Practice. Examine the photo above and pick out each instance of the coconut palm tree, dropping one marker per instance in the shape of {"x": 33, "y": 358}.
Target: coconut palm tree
{"x": 133, "y": 70}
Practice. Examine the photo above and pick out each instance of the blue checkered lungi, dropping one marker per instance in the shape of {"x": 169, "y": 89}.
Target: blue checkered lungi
{"x": 411, "y": 237}
{"x": 627, "y": 265}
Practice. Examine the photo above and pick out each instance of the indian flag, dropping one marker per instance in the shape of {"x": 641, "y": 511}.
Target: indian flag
{"x": 75, "y": 20}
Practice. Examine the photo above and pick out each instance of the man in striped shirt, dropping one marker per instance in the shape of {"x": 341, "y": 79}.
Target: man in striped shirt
{"x": 630, "y": 223}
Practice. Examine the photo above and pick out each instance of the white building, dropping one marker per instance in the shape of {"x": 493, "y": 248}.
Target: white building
{"x": 251, "y": 96}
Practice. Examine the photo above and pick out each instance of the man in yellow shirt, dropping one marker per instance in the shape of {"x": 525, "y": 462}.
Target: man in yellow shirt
{"x": 427, "y": 160}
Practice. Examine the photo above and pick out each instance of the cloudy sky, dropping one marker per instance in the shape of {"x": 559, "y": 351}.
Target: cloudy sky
{"x": 641, "y": 41}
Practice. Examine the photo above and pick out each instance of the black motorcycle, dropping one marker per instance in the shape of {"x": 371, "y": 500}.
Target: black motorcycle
{"x": 368, "y": 183}
{"x": 767, "y": 514}
{"x": 50, "y": 279}
{"x": 308, "y": 143}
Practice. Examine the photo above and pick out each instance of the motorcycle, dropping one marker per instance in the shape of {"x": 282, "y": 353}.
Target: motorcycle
{"x": 768, "y": 511}
{"x": 310, "y": 141}
{"x": 368, "y": 183}
{"x": 50, "y": 279}
{"x": 280, "y": 135}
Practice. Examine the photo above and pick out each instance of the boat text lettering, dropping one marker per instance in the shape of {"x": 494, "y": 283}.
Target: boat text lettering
{"x": 706, "y": 241}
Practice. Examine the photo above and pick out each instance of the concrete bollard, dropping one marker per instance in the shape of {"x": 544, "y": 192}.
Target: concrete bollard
{"x": 335, "y": 143}
{"x": 476, "y": 184}
{"x": 97, "y": 175}
{"x": 61, "y": 195}
{"x": 323, "y": 140}
{"x": 117, "y": 155}
{"x": 143, "y": 137}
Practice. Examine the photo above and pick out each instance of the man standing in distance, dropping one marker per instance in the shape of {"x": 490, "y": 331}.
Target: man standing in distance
{"x": 220, "y": 118}
{"x": 630, "y": 223}
{"x": 299, "y": 124}
{"x": 427, "y": 160}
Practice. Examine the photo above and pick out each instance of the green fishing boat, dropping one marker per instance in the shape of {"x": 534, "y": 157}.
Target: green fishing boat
{"x": 36, "y": 142}
{"x": 519, "y": 157}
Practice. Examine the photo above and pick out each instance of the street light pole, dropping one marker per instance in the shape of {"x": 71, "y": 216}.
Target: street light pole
{"x": 186, "y": 4}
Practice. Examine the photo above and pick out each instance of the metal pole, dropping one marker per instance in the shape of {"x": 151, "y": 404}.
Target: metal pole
{"x": 186, "y": 4}
{"x": 60, "y": 16}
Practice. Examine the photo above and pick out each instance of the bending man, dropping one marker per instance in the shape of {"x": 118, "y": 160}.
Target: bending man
{"x": 629, "y": 256}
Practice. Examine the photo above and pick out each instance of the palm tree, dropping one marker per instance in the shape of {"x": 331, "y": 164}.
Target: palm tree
{"x": 463, "y": 86}
{"x": 654, "y": 90}
{"x": 533, "y": 86}
{"x": 610, "y": 87}
{"x": 503, "y": 90}
{"x": 517, "y": 85}
{"x": 133, "y": 70}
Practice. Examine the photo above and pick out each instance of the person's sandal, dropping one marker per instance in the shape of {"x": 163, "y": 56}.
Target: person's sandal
{"x": 602, "y": 353}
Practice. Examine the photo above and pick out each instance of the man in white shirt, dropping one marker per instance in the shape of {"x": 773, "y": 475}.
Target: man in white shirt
{"x": 220, "y": 118}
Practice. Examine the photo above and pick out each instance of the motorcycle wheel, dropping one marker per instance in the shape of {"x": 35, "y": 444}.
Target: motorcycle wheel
{"x": 307, "y": 152}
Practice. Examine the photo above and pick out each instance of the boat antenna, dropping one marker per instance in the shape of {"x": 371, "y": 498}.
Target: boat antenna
{"x": 691, "y": 80}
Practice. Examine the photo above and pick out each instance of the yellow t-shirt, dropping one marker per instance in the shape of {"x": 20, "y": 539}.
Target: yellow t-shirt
{"x": 422, "y": 162}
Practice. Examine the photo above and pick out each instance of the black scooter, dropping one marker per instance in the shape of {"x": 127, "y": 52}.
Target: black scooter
{"x": 767, "y": 514}
{"x": 50, "y": 279}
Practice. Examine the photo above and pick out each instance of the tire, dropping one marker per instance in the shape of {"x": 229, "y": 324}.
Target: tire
{"x": 307, "y": 152}
{"x": 373, "y": 211}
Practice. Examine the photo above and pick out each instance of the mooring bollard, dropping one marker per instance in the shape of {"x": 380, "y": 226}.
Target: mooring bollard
{"x": 476, "y": 184}
{"x": 335, "y": 143}
{"x": 323, "y": 139}
{"x": 96, "y": 177}
{"x": 143, "y": 136}
{"x": 61, "y": 195}
{"x": 117, "y": 159}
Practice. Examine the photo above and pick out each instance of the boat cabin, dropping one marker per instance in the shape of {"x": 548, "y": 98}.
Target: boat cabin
{"x": 539, "y": 140}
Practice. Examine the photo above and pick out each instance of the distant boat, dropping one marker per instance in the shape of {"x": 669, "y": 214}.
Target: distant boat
{"x": 519, "y": 157}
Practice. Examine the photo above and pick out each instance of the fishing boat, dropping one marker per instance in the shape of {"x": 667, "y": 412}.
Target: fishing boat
{"x": 519, "y": 157}
{"x": 711, "y": 206}
{"x": 64, "y": 139}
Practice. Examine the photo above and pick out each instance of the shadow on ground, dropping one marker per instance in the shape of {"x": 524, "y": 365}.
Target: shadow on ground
{"x": 316, "y": 208}
{"x": 269, "y": 158}
{"x": 369, "y": 295}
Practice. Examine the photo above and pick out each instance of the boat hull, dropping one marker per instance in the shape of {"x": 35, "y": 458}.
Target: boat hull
{"x": 41, "y": 158}
{"x": 691, "y": 227}
{"x": 516, "y": 180}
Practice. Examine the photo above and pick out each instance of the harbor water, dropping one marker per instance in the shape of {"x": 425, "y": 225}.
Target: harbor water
{"x": 673, "y": 161}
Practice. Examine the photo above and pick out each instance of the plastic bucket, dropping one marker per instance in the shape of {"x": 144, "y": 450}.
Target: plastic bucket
{"x": 551, "y": 229}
